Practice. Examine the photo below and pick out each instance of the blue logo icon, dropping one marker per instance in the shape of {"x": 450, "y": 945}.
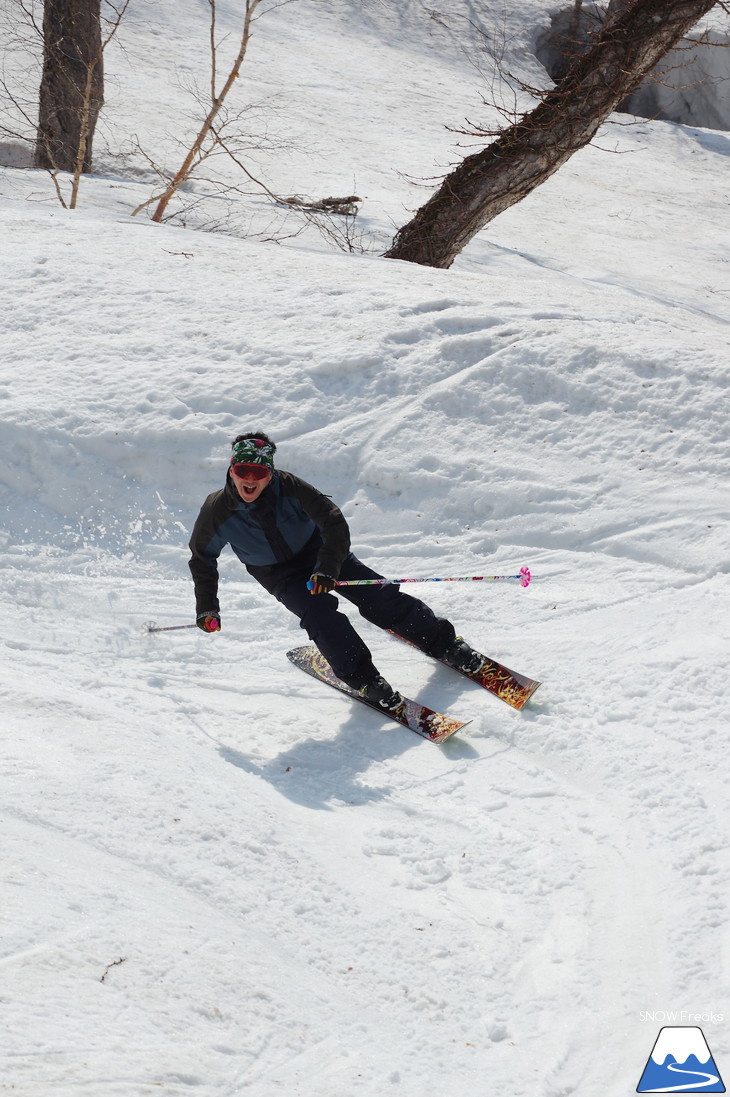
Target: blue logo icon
{"x": 680, "y": 1062}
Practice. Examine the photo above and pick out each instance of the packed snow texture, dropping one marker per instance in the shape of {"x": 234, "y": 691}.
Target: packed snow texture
{"x": 221, "y": 877}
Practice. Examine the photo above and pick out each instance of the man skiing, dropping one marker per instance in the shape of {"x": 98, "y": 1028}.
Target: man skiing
{"x": 286, "y": 532}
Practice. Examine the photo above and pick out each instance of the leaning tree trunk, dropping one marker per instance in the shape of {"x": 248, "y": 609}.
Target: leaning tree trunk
{"x": 72, "y": 86}
{"x": 615, "y": 7}
{"x": 488, "y": 182}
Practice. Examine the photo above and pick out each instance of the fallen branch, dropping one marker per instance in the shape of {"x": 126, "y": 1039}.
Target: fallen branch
{"x": 114, "y": 963}
{"x": 346, "y": 207}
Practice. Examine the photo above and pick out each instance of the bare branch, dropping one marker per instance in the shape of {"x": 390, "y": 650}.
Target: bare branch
{"x": 188, "y": 163}
{"x": 87, "y": 104}
{"x": 213, "y": 76}
{"x": 119, "y": 13}
{"x": 57, "y": 185}
{"x": 244, "y": 169}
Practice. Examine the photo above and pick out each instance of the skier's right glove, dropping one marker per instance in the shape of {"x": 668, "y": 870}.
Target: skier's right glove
{"x": 209, "y": 622}
{"x": 321, "y": 584}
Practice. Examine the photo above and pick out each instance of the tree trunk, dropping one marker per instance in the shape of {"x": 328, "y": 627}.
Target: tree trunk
{"x": 72, "y": 86}
{"x": 615, "y": 8}
{"x": 490, "y": 181}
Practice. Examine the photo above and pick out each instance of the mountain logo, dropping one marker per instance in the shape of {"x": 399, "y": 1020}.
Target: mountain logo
{"x": 680, "y": 1062}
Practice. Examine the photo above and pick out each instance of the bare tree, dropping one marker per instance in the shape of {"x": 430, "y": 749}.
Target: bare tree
{"x": 72, "y": 85}
{"x": 208, "y": 136}
{"x": 75, "y": 35}
{"x": 634, "y": 37}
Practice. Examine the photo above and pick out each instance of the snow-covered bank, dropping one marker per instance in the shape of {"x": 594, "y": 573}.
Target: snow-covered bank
{"x": 168, "y": 794}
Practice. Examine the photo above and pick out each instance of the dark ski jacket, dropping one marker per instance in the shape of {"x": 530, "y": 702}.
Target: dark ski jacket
{"x": 290, "y": 526}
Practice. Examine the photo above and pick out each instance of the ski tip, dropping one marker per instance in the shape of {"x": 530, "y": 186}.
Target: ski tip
{"x": 298, "y": 653}
{"x": 444, "y": 727}
{"x": 523, "y": 696}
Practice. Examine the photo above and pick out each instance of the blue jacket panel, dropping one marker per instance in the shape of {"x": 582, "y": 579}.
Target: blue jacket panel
{"x": 270, "y": 531}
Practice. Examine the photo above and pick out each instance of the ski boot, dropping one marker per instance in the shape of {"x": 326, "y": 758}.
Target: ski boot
{"x": 382, "y": 695}
{"x": 462, "y": 657}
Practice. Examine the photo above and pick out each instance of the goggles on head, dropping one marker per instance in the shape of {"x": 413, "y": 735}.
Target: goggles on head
{"x": 259, "y": 472}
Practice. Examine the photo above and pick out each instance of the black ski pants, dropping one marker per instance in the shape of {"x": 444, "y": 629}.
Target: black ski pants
{"x": 331, "y": 630}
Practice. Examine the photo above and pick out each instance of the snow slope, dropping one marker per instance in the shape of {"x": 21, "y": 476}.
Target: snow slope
{"x": 219, "y": 877}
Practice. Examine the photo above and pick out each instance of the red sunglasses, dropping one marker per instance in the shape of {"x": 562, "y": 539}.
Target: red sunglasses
{"x": 259, "y": 472}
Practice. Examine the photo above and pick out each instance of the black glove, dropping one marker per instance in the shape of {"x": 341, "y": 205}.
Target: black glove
{"x": 209, "y": 622}
{"x": 321, "y": 584}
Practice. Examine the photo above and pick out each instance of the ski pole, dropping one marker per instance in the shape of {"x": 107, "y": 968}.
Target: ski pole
{"x": 174, "y": 628}
{"x": 169, "y": 628}
{"x": 524, "y": 578}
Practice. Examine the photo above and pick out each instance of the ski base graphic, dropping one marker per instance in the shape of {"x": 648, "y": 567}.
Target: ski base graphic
{"x": 512, "y": 688}
{"x": 424, "y": 721}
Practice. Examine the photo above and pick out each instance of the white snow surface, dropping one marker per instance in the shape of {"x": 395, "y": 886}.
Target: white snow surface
{"x": 220, "y": 877}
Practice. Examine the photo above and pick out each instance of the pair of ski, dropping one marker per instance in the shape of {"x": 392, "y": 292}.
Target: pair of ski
{"x": 512, "y": 688}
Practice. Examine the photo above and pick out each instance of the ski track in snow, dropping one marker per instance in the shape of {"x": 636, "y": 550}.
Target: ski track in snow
{"x": 219, "y": 877}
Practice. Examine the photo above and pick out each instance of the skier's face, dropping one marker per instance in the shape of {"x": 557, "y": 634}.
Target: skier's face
{"x": 247, "y": 486}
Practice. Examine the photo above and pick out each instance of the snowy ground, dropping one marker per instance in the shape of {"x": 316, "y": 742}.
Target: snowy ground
{"x": 220, "y": 877}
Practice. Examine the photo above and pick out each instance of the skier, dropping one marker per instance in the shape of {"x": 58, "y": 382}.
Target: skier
{"x": 286, "y": 532}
